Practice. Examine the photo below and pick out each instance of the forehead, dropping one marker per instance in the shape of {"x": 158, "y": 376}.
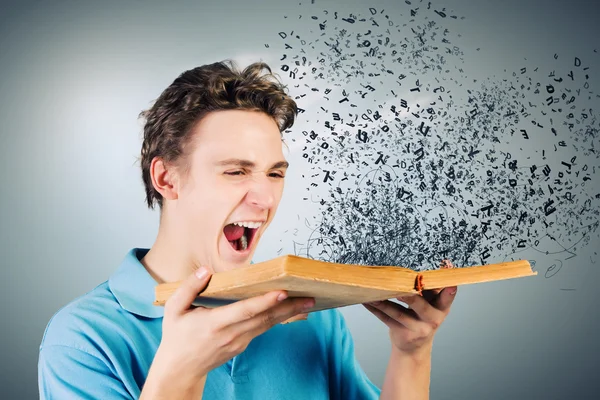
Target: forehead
{"x": 243, "y": 134}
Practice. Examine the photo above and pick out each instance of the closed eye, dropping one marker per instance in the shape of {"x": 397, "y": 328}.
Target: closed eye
{"x": 234, "y": 173}
{"x": 272, "y": 174}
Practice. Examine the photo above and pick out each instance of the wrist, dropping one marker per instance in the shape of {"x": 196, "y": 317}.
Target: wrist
{"x": 418, "y": 356}
{"x": 168, "y": 378}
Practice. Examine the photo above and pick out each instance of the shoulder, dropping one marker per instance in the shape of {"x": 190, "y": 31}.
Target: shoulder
{"x": 78, "y": 355}
{"x": 84, "y": 322}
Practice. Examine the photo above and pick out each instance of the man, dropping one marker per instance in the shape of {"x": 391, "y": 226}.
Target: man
{"x": 212, "y": 160}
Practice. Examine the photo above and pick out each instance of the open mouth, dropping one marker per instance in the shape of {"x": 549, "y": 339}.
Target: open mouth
{"x": 240, "y": 235}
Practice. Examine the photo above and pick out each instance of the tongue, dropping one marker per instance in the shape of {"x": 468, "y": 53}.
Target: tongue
{"x": 233, "y": 232}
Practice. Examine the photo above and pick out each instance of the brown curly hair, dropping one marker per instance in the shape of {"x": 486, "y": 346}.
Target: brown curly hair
{"x": 197, "y": 92}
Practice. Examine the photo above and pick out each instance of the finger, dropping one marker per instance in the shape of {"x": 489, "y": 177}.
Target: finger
{"x": 252, "y": 307}
{"x": 431, "y": 295}
{"x": 398, "y": 313}
{"x": 288, "y": 309}
{"x": 182, "y": 299}
{"x": 383, "y": 317}
{"x": 446, "y": 298}
{"x": 423, "y": 309}
{"x": 299, "y": 317}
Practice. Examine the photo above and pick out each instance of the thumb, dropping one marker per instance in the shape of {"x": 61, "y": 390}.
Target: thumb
{"x": 446, "y": 297}
{"x": 181, "y": 300}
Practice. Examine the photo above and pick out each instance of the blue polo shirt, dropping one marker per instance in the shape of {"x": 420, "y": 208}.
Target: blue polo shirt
{"x": 101, "y": 346}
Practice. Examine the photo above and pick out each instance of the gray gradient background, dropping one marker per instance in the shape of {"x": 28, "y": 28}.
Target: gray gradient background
{"x": 73, "y": 77}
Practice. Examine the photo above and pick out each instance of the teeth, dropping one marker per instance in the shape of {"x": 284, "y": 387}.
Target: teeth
{"x": 249, "y": 224}
{"x": 244, "y": 242}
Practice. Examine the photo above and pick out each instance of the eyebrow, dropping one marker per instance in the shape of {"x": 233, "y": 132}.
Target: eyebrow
{"x": 248, "y": 164}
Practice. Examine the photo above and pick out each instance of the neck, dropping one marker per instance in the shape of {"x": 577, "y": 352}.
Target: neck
{"x": 168, "y": 260}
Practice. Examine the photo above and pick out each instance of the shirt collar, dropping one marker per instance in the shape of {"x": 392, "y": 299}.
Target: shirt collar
{"x": 134, "y": 287}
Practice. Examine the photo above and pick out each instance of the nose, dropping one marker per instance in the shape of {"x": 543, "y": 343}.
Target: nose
{"x": 262, "y": 192}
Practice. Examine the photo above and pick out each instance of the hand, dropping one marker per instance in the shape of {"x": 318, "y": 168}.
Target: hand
{"x": 197, "y": 340}
{"x": 412, "y": 329}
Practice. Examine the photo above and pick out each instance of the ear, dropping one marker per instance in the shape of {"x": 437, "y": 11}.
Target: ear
{"x": 164, "y": 178}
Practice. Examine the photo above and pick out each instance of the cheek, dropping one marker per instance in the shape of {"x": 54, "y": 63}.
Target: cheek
{"x": 279, "y": 190}
{"x": 214, "y": 202}
{"x": 279, "y": 195}
{"x": 201, "y": 208}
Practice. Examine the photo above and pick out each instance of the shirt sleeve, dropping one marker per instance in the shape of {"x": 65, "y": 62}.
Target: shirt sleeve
{"x": 68, "y": 373}
{"x": 353, "y": 383}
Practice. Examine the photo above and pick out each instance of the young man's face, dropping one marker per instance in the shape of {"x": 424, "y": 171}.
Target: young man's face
{"x": 233, "y": 188}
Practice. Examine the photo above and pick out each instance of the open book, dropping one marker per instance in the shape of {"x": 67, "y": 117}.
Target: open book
{"x": 338, "y": 285}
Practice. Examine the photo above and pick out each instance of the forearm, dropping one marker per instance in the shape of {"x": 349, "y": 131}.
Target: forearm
{"x": 407, "y": 376}
{"x": 165, "y": 382}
